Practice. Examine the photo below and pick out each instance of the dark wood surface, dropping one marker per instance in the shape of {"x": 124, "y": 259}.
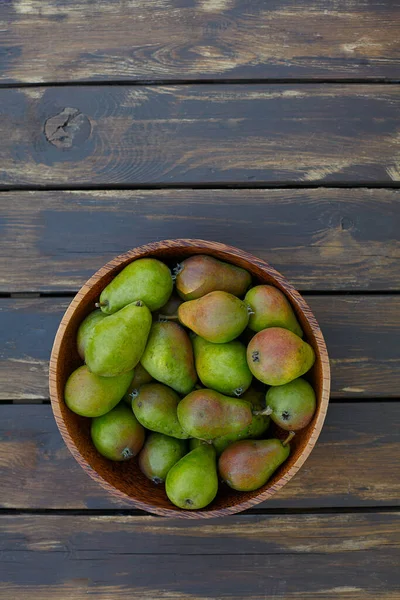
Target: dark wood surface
{"x": 148, "y": 557}
{"x": 299, "y": 99}
{"x": 199, "y": 134}
{"x": 320, "y": 239}
{"x": 196, "y": 40}
{"x": 361, "y": 331}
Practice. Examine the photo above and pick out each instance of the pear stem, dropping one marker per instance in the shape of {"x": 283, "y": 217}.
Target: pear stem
{"x": 100, "y": 304}
{"x": 265, "y": 412}
{"x": 289, "y": 437}
{"x": 168, "y": 317}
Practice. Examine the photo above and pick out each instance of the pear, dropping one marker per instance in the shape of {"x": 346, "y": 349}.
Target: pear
{"x": 192, "y": 483}
{"x": 276, "y": 356}
{"x": 206, "y": 414}
{"x": 159, "y": 454}
{"x": 117, "y": 343}
{"x": 292, "y": 404}
{"x": 271, "y": 308}
{"x": 140, "y": 377}
{"x": 222, "y": 367}
{"x": 155, "y": 408}
{"x": 85, "y": 330}
{"x": 89, "y": 395}
{"x": 247, "y": 465}
{"x": 170, "y": 309}
{"x": 145, "y": 279}
{"x": 117, "y": 435}
{"x": 201, "y": 274}
{"x": 258, "y": 426}
{"x": 168, "y": 357}
{"x": 218, "y": 317}
{"x": 195, "y": 443}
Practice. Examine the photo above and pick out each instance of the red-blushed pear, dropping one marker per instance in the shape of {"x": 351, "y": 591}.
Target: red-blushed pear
{"x": 218, "y": 317}
{"x": 247, "y": 465}
{"x": 276, "y": 356}
{"x": 206, "y": 414}
{"x": 258, "y": 426}
{"x": 271, "y": 308}
{"x": 198, "y": 275}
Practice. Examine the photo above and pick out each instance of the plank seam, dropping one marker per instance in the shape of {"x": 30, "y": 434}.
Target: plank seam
{"x": 200, "y": 82}
{"x": 389, "y": 185}
{"x": 252, "y": 512}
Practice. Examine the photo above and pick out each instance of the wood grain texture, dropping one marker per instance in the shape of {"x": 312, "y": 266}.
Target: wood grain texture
{"x": 354, "y": 464}
{"x": 361, "y": 333}
{"x": 321, "y": 239}
{"x": 125, "y": 480}
{"x": 197, "y": 39}
{"x": 204, "y": 134}
{"x": 319, "y": 557}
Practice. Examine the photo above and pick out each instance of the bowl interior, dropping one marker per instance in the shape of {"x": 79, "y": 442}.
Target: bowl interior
{"x": 125, "y": 479}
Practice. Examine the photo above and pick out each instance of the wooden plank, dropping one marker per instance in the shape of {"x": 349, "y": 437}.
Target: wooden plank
{"x": 205, "y": 134}
{"x": 321, "y": 239}
{"x": 355, "y": 463}
{"x": 205, "y": 39}
{"x": 323, "y": 557}
{"x": 361, "y": 332}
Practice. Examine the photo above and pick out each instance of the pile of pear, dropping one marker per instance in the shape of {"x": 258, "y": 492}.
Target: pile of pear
{"x": 188, "y": 380}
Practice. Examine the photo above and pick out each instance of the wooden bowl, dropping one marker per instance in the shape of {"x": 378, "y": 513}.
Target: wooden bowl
{"x": 124, "y": 480}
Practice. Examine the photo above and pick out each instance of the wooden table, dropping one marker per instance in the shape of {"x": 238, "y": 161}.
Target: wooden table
{"x": 272, "y": 126}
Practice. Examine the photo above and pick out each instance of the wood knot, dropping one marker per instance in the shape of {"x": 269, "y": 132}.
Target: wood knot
{"x": 68, "y": 128}
{"x": 346, "y": 223}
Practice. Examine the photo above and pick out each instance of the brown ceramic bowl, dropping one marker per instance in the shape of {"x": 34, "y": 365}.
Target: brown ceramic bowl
{"x": 124, "y": 480}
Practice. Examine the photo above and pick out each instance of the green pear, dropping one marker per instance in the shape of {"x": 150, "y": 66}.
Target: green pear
{"x": 117, "y": 343}
{"x": 192, "y": 483}
{"x": 89, "y": 395}
{"x": 276, "y": 356}
{"x": 206, "y": 414}
{"x": 159, "y": 454}
{"x": 292, "y": 404}
{"x": 145, "y": 279}
{"x": 201, "y": 274}
{"x": 271, "y": 308}
{"x": 218, "y": 317}
{"x": 140, "y": 377}
{"x": 86, "y": 329}
{"x": 155, "y": 407}
{"x": 247, "y": 465}
{"x": 168, "y": 357}
{"x": 222, "y": 367}
{"x": 195, "y": 443}
{"x": 258, "y": 426}
{"x": 117, "y": 435}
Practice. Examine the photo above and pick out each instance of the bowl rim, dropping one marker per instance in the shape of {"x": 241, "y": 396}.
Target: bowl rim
{"x": 185, "y": 244}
